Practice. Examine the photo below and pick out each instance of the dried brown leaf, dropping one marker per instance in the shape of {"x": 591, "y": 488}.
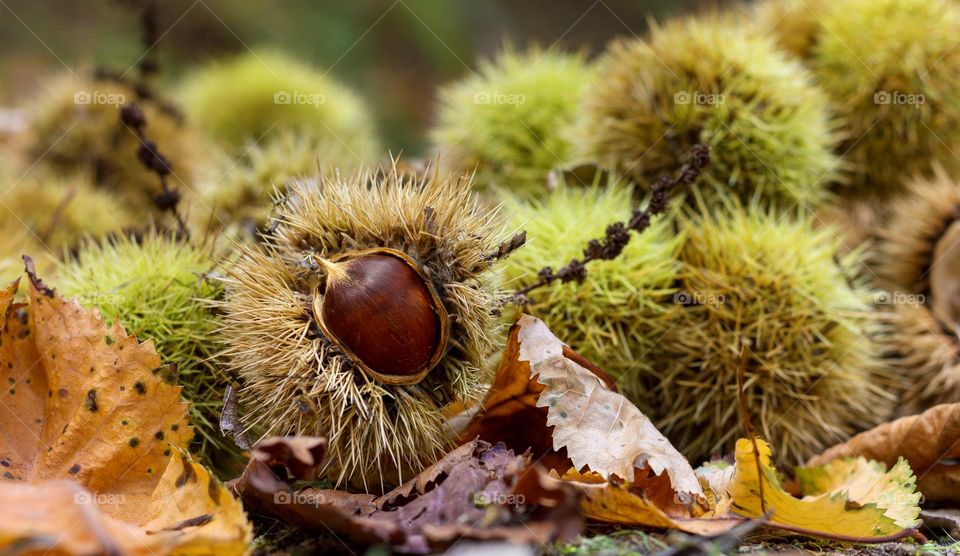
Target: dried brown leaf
{"x": 297, "y": 458}
{"x": 477, "y": 491}
{"x": 930, "y": 442}
{"x": 547, "y": 397}
{"x": 510, "y": 414}
{"x": 598, "y": 428}
{"x": 947, "y": 520}
{"x": 91, "y": 438}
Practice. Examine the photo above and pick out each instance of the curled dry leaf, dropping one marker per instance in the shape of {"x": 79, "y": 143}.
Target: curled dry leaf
{"x": 852, "y": 500}
{"x": 628, "y": 504}
{"x": 946, "y": 520}
{"x": 92, "y": 442}
{"x": 298, "y": 458}
{"x": 930, "y": 442}
{"x": 715, "y": 478}
{"x": 603, "y": 501}
{"x": 477, "y": 491}
{"x": 510, "y": 413}
{"x": 600, "y": 428}
{"x": 548, "y": 398}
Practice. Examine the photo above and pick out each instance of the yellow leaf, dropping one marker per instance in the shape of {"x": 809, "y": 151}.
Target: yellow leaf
{"x": 929, "y": 442}
{"x": 831, "y": 513}
{"x": 188, "y": 493}
{"x": 623, "y": 505}
{"x": 865, "y": 482}
{"x": 87, "y": 419}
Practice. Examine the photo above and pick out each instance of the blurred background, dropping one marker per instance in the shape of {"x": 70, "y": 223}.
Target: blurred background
{"x": 394, "y": 52}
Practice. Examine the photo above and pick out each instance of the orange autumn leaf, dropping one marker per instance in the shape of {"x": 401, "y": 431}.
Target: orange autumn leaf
{"x": 510, "y": 414}
{"x": 92, "y": 439}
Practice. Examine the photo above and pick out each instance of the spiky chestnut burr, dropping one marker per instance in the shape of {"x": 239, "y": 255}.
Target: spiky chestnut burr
{"x": 757, "y": 282}
{"x": 713, "y": 82}
{"x": 76, "y": 127}
{"x": 926, "y": 353}
{"x": 622, "y": 307}
{"x": 913, "y": 224}
{"x": 852, "y": 219}
{"x": 510, "y": 121}
{"x": 60, "y": 211}
{"x": 793, "y": 24}
{"x": 158, "y": 287}
{"x": 238, "y": 191}
{"x": 892, "y": 70}
{"x": 247, "y": 98}
{"x": 370, "y": 307}
{"x": 915, "y": 254}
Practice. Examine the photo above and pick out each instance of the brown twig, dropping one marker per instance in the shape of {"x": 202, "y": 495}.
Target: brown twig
{"x": 149, "y": 14}
{"x": 132, "y": 117}
{"x": 618, "y": 234}
{"x": 694, "y": 545}
{"x": 503, "y": 251}
{"x": 748, "y": 423}
{"x": 148, "y": 64}
{"x": 57, "y": 215}
{"x": 150, "y": 27}
{"x": 142, "y": 91}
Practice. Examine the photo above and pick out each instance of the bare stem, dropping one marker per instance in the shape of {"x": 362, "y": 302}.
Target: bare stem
{"x": 617, "y": 234}
{"x": 133, "y": 118}
{"x": 748, "y": 423}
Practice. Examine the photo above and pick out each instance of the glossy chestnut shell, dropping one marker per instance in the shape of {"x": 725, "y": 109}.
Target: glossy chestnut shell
{"x": 381, "y": 310}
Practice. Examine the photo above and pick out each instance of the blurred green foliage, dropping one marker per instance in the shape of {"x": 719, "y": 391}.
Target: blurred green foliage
{"x": 396, "y": 52}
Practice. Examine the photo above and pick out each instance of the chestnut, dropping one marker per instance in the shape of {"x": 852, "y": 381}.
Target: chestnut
{"x": 367, "y": 345}
{"x": 382, "y": 311}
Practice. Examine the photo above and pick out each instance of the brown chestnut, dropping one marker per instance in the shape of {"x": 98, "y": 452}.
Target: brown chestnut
{"x": 383, "y": 312}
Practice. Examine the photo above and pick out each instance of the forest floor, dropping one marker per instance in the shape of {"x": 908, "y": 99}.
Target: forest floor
{"x": 606, "y": 541}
